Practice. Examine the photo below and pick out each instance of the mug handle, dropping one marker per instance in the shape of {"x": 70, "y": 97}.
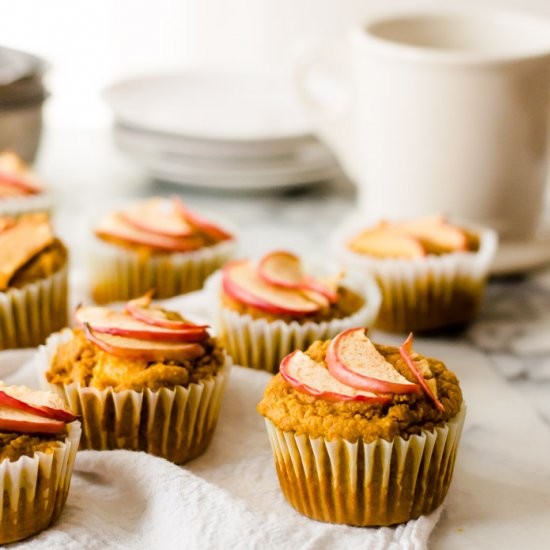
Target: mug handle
{"x": 328, "y": 103}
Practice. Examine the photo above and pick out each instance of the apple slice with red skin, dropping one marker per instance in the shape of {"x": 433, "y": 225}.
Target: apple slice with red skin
{"x": 144, "y": 350}
{"x": 42, "y": 403}
{"x": 240, "y": 281}
{"x": 306, "y": 375}
{"x": 157, "y": 216}
{"x": 354, "y": 360}
{"x": 15, "y": 173}
{"x": 284, "y": 269}
{"x": 17, "y": 420}
{"x": 386, "y": 242}
{"x": 140, "y": 309}
{"x": 114, "y": 226}
{"x": 407, "y": 353}
{"x": 106, "y": 321}
{"x": 199, "y": 222}
{"x": 436, "y": 234}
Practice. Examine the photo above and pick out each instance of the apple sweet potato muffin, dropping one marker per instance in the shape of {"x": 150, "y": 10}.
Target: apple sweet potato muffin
{"x": 271, "y": 306}
{"x": 375, "y": 429}
{"x": 20, "y": 190}
{"x": 38, "y": 442}
{"x": 33, "y": 281}
{"x": 156, "y": 243}
{"x": 142, "y": 379}
{"x": 432, "y": 273}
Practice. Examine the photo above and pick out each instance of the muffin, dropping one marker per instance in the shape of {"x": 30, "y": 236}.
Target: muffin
{"x": 143, "y": 379}
{"x": 38, "y": 443}
{"x": 157, "y": 243}
{"x": 33, "y": 281}
{"x": 20, "y": 190}
{"x": 432, "y": 273}
{"x": 363, "y": 434}
{"x": 270, "y": 307}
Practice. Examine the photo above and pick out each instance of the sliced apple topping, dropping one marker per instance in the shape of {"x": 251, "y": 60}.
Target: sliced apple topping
{"x": 284, "y": 269}
{"x": 20, "y": 242}
{"x": 16, "y": 174}
{"x": 146, "y": 350}
{"x": 354, "y": 360}
{"x": 306, "y": 375}
{"x": 142, "y": 310}
{"x": 17, "y": 420}
{"x": 114, "y": 226}
{"x": 420, "y": 369}
{"x": 193, "y": 219}
{"x": 157, "y": 216}
{"x": 385, "y": 242}
{"x": 436, "y": 235}
{"x": 241, "y": 281}
{"x": 41, "y": 403}
{"x": 106, "y": 321}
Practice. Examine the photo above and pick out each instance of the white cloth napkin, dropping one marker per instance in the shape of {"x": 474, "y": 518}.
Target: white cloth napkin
{"x": 228, "y": 498}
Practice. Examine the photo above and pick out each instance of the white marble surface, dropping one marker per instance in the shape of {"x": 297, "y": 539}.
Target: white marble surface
{"x": 501, "y": 494}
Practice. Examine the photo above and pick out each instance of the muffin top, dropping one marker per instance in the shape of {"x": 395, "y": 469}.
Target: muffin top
{"x": 160, "y": 226}
{"x": 31, "y": 421}
{"x": 29, "y": 250}
{"x": 413, "y": 239}
{"x": 16, "y": 178}
{"x": 277, "y": 288}
{"x": 142, "y": 347}
{"x": 354, "y": 389}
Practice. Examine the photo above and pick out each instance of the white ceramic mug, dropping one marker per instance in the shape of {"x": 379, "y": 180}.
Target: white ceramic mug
{"x": 448, "y": 111}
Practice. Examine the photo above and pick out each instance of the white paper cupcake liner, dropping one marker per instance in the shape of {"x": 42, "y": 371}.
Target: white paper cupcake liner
{"x": 262, "y": 344}
{"x": 366, "y": 484}
{"x": 19, "y": 206}
{"x": 119, "y": 274}
{"x": 426, "y": 293}
{"x": 176, "y": 424}
{"x": 29, "y": 314}
{"x": 34, "y": 489}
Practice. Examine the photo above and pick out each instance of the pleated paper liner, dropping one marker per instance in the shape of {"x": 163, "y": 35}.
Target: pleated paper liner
{"x": 176, "y": 424}
{"x": 18, "y": 206}
{"x": 261, "y": 344}
{"x": 426, "y": 293}
{"x": 34, "y": 489}
{"x": 29, "y": 314}
{"x": 118, "y": 274}
{"x": 366, "y": 484}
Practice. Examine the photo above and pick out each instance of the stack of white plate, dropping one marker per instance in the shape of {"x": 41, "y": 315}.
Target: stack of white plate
{"x": 219, "y": 131}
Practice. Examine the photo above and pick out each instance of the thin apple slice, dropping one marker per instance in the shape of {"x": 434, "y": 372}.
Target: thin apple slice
{"x": 407, "y": 353}
{"x": 42, "y": 403}
{"x": 145, "y": 350}
{"x": 17, "y": 420}
{"x": 20, "y": 242}
{"x": 114, "y": 226}
{"x": 157, "y": 216}
{"x": 106, "y": 321}
{"x": 240, "y": 280}
{"x": 384, "y": 242}
{"x": 193, "y": 219}
{"x": 436, "y": 234}
{"x": 284, "y": 269}
{"x": 354, "y": 360}
{"x": 15, "y": 173}
{"x": 306, "y": 375}
{"x": 141, "y": 309}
